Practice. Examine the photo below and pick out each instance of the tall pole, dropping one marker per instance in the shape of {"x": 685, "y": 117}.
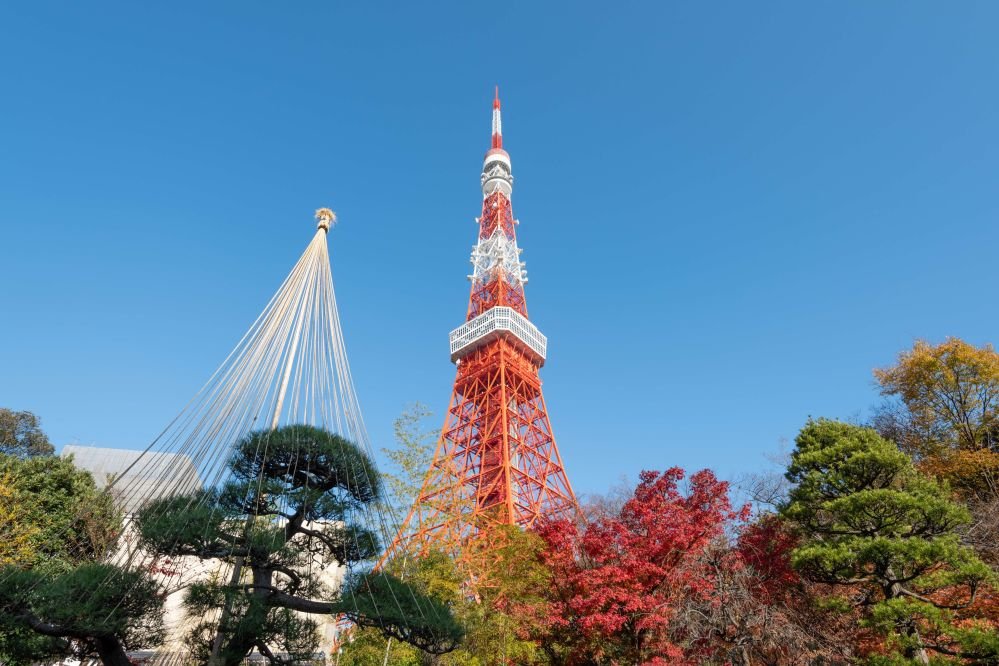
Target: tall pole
{"x": 324, "y": 219}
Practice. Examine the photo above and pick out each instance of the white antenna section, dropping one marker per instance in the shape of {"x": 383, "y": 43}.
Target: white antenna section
{"x": 497, "y": 122}
{"x": 498, "y": 252}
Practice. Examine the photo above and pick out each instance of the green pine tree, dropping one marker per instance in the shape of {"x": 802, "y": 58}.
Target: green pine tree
{"x": 887, "y": 535}
{"x": 297, "y": 495}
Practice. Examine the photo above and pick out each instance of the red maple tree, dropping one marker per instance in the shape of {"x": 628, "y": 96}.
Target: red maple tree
{"x": 617, "y": 583}
{"x": 678, "y": 576}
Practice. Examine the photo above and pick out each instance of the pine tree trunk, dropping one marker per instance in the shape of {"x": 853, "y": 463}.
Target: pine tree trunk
{"x": 111, "y": 652}
{"x": 894, "y": 591}
{"x": 239, "y": 646}
{"x": 919, "y": 655}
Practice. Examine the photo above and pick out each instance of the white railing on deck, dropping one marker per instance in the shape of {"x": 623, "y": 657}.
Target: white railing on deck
{"x": 489, "y": 324}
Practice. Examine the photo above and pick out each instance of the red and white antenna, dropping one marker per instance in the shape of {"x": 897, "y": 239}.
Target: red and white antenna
{"x": 497, "y": 172}
{"x": 497, "y": 122}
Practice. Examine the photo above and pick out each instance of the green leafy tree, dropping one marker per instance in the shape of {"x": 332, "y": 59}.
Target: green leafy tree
{"x": 498, "y": 619}
{"x": 409, "y": 460}
{"x": 287, "y": 514}
{"x": 492, "y": 620}
{"x": 512, "y": 601}
{"x": 368, "y": 647}
{"x": 433, "y": 575}
{"x": 71, "y": 520}
{"x": 55, "y": 524}
{"x": 21, "y": 435}
{"x": 873, "y": 525}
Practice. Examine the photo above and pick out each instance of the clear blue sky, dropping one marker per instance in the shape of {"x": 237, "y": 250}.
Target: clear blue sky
{"x": 731, "y": 211}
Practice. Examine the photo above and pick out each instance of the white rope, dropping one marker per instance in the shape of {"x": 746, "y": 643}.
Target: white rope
{"x": 290, "y": 367}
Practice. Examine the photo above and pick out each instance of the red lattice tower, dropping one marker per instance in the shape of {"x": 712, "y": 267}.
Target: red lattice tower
{"x": 496, "y": 462}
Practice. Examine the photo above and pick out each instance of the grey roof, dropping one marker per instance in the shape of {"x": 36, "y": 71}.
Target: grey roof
{"x": 138, "y": 476}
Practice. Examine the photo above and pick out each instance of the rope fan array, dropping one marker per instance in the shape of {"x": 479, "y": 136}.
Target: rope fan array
{"x": 253, "y": 521}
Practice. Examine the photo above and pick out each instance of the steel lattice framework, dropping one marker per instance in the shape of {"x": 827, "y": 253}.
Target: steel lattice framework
{"x": 496, "y": 462}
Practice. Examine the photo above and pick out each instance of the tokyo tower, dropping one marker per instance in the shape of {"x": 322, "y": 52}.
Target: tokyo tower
{"x": 496, "y": 461}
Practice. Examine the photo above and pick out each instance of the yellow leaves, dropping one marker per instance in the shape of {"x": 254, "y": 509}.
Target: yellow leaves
{"x": 966, "y": 470}
{"x": 937, "y": 367}
{"x": 17, "y": 533}
{"x": 951, "y": 390}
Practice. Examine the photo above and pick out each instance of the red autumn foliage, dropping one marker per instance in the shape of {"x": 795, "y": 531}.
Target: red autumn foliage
{"x": 618, "y": 584}
{"x": 662, "y": 581}
{"x": 765, "y": 546}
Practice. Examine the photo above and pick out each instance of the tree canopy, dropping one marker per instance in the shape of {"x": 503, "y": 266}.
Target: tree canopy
{"x": 55, "y": 597}
{"x": 946, "y": 411}
{"x": 21, "y": 435}
{"x": 951, "y": 391}
{"x": 409, "y": 459}
{"x": 871, "y": 523}
{"x": 879, "y": 553}
{"x": 293, "y": 508}
{"x": 617, "y": 586}
{"x": 69, "y": 519}
{"x": 942, "y": 408}
{"x": 102, "y": 609}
